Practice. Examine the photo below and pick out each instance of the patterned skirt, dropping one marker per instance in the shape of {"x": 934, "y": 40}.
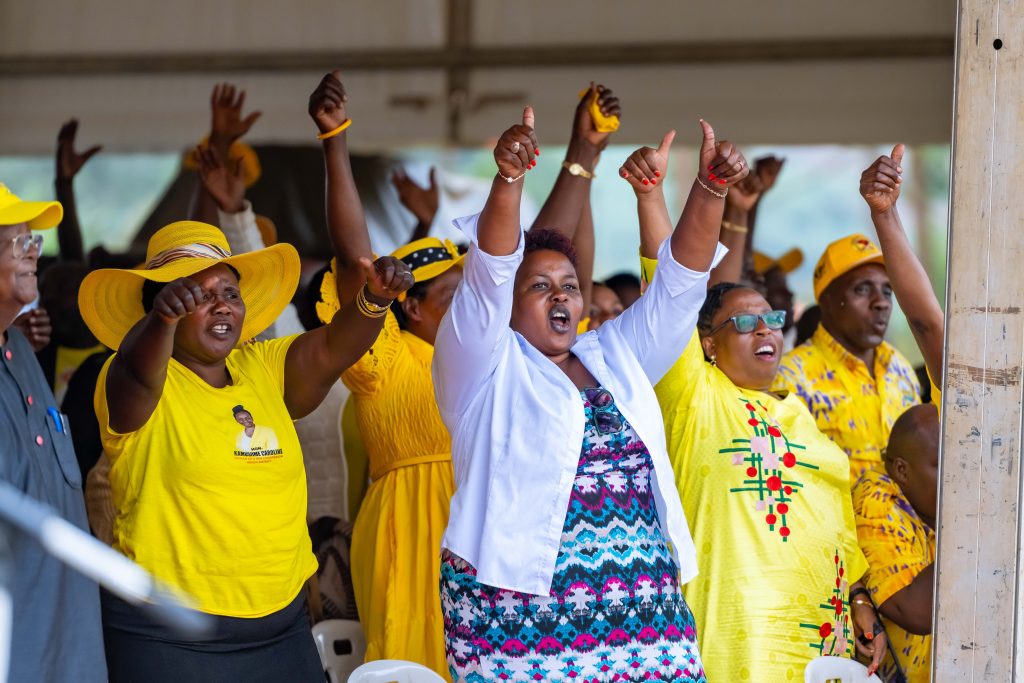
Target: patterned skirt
{"x": 614, "y": 612}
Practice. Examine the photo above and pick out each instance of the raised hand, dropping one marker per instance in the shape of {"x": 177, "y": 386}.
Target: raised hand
{"x": 745, "y": 193}
{"x": 646, "y": 167}
{"x": 177, "y": 299}
{"x": 327, "y": 103}
{"x": 227, "y": 124}
{"x": 70, "y": 162}
{"x": 880, "y": 182}
{"x": 222, "y": 181}
{"x": 583, "y": 127}
{"x": 386, "y": 278}
{"x": 36, "y": 327}
{"x": 421, "y": 201}
{"x": 721, "y": 165}
{"x": 767, "y": 170}
{"x": 517, "y": 148}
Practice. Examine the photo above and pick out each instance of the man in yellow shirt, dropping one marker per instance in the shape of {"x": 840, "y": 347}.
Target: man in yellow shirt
{"x": 852, "y": 381}
{"x": 895, "y": 515}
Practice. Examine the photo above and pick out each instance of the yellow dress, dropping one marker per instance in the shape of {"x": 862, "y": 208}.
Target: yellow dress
{"x": 767, "y": 497}
{"x": 854, "y": 407}
{"x": 899, "y": 546}
{"x": 396, "y": 540}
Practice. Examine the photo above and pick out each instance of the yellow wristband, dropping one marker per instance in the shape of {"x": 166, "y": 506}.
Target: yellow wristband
{"x": 331, "y": 133}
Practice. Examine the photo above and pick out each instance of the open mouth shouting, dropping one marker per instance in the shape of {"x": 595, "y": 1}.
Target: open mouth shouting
{"x": 559, "y": 319}
{"x": 766, "y": 352}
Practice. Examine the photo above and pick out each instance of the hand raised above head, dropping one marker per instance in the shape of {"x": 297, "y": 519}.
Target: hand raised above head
{"x": 227, "y": 124}
{"x": 327, "y": 103}
{"x": 721, "y": 165}
{"x": 177, "y": 299}
{"x": 584, "y": 128}
{"x": 386, "y": 278}
{"x": 70, "y": 162}
{"x": 517, "y": 148}
{"x": 421, "y": 201}
{"x": 223, "y": 181}
{"x": 767, "y": 169}
{"x": 880, "y": 182}
{"x": 646, "y": 167}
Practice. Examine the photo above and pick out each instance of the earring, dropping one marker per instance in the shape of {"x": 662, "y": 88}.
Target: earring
{"x": 714, "y": 361}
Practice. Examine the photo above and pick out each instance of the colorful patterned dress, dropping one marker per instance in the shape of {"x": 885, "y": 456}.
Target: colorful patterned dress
{"x": 615, "y": 611}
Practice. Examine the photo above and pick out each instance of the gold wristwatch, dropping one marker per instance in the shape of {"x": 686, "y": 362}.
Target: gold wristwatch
{"x": 577, "y": 170}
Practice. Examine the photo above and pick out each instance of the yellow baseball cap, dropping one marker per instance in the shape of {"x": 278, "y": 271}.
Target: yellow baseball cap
{"x": 787, "y": 263}
{"x": 841, "y": 257}
{"x": 38, "y": 215}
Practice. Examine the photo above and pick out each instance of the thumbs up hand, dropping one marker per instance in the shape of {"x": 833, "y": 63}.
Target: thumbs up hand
{"x": 646, "y": 167}
{"x": 721, "y": 164}
{"x": 517, "y": 148}
{"x": 880, "y": 182}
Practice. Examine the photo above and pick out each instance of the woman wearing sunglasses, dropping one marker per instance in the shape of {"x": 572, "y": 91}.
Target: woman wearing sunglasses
{"x": 767, "y": 496}
{"x": 566, "y": 544}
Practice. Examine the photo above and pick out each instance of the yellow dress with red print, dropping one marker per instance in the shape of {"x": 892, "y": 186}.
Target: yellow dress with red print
{"x": 767, "y": 496}
{"x": 396, "y": 540}
{"x": 854, "y": 407}
{"x": 899, "y": 546}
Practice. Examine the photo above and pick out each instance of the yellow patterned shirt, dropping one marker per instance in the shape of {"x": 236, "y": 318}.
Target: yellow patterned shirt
{"x": 899, "y": 546}
{"x": 852, "y": 406}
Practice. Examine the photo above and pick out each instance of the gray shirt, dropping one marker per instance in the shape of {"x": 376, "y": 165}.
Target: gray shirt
{"x": 57, "y": 635}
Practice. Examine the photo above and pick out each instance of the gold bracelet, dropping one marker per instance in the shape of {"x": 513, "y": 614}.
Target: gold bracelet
{"x": 858, "y": 601}
{"x": 331, "y": 133}
{"x": 741, "y": 229}
{"x": 720, "y": 195}
{"x": 511, "y": 180}
{"x": 369, "y": 308}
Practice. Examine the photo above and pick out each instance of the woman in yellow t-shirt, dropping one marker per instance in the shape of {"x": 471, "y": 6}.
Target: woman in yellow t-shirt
{"x": 768, "y": 499}
{"x": 206, "y": 469}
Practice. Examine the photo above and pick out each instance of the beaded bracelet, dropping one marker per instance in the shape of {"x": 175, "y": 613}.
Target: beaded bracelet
{"x": 511, "y": 180}
{"x": 720, "y": 195}
{"x": 331, "y": 133}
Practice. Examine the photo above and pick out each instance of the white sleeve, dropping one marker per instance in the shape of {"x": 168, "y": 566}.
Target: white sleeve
{"x": 476, "y": 326}
{"x": 241, "y": 230}
{"x": 660, "y": 323}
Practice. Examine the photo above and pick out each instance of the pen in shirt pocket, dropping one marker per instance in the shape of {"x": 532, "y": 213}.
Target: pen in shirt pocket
{"x": 58, "y": 420}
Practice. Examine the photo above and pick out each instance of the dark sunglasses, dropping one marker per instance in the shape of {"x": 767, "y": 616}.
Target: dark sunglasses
{"x": 605, "y": 419}
{"x": 747, "y": 322}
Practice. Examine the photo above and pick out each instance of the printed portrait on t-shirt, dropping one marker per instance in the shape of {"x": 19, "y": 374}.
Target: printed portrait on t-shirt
{"x": 252, "y": 437}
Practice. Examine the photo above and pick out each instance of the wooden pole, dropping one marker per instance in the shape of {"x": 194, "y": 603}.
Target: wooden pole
{"x": 977, "y": 634}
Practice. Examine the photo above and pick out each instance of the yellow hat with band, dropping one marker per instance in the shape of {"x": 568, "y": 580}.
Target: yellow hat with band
{"x": 427, "y": 258}
{"x": 111, "y": 299}
{"x": 38, "y": 215}
{"x": 841, "y": 257}
{"x": 787, "y": 263}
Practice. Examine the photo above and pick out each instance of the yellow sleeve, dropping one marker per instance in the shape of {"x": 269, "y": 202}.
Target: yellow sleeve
{"x": 647, "y": 268}
{"x": 273, "y": 354}
{"x": 113, "y": 442}
{"x": 367, "y": 375}
{"x": 887, "y": 544}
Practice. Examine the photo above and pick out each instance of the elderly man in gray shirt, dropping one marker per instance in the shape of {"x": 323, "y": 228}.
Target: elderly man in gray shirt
{"x": 56, "y": 634}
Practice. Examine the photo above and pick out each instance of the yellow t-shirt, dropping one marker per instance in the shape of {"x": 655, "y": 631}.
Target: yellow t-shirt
{"x": 854, "y": 407}
{"x": 767, "y": 497}
{"x": 899, "y": 546}
{"x": 219, "y": 518}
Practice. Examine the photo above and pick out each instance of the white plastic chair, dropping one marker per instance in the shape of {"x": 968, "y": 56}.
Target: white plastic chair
{"x": 837, "y": 670}
{"x": 393, "y": 671}
{"x": 342, "y": 647}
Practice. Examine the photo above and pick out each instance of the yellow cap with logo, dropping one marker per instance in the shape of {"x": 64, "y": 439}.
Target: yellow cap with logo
{"x": 841, "y": 257}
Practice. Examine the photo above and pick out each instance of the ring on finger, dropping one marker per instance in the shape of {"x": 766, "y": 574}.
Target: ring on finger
{"x": 515, "y": 147}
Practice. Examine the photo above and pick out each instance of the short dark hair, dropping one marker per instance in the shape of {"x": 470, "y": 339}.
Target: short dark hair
{"x": 712, "y": 303}
{"x": 540, "y": 239}
{"x": 150, "y": 288}
{"x": 622, "y": 280}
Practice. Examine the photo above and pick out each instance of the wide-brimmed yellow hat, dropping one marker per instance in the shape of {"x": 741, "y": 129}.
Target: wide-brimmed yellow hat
{"x": 841, "y": 257}
{"x": 111, "y": 299}
{"x": 787, "y": 263}
{"x": 427, "y": 258}
{"x": 38, "y": 215}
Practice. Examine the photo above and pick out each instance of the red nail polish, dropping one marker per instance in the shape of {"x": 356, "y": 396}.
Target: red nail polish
{"x": 654, "y": 182}
{"x": 657, "y": 173}
{"x": 712, "y": 176}
{"x": 721, "y": 182}
{"x": 537, "y": 152}
{"x": 646, "y": 182}
{"x": 625, "y": 174}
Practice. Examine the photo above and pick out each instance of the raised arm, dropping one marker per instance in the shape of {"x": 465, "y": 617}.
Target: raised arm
{"x": 69, "y": 163}
{"x": 421, "y": 202}
{"x": 767, "y": 170}
{"x": 880, "y": 186}
{"x": 227, "y": 125}
{"x": 346, "y": 222}
{"x": 477, "y": 323}
{"x": 736, "y": 221}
